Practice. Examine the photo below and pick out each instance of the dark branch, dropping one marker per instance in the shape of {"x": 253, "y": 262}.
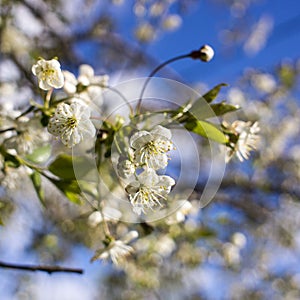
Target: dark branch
{"x": 33, "y": 268}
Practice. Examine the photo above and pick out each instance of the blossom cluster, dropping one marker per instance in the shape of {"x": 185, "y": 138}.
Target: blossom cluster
{"x": 148, "y": 152}
{"x": 71, "y": 119}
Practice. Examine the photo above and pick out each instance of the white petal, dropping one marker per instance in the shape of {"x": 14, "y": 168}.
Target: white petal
{"x": 53, "y": 64}
{"x": 140, "y": 138}
{"x": 36, "y": 69}
{"x": 86, "y": 128}
{"x": 162, "y": 132}
{"x": 44, "y": 85}
{"x": 148, "y": 177}
{"x": 159, "y": 161}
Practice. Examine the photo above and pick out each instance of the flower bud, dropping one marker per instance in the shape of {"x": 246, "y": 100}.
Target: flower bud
{"x": 205, "y": 53}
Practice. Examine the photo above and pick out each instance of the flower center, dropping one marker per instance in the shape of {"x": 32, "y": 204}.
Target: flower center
{"x": 47, "y": 73}
{"x": 71, "y": 122}
{"x": 144, "y": 194}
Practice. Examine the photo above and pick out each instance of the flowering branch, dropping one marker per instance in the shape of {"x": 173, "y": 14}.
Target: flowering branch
{"x": 34, "y": 268}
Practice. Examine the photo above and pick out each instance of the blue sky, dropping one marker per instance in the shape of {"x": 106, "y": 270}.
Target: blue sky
{"x": 203, "y": 23}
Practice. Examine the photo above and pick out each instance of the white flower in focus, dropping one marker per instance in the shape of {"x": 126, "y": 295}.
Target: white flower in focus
{"x": 71, "y": 123}
{"x": 87, "y": 86}
{"x": 247, "y": 139}
{"x": 48, "y": 73}
{"x": 147, "y": 191}
{"x": 151, "y": 147}
{"x": 117, "y": 250}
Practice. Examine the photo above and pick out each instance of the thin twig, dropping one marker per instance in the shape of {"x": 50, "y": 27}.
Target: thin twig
{"x": 138, "y": 108}
{"x": 34, "y": 268}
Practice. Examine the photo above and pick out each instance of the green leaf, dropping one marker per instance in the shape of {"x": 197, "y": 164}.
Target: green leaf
{"x": 213, "y": 93}
{"x": 206, "y": 129}
{"x": 40, "y": 155}
{"x": 70, "y": 189}
{"x": 37, "y": 183}
{"x": 63, "y": 166}
{"x": 200, "y": 108}
{"x": 1, "y": 222}
{"x": 223, "y": 108}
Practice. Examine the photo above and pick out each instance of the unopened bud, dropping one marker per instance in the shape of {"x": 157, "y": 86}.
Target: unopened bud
{"x": 205, "y": 53}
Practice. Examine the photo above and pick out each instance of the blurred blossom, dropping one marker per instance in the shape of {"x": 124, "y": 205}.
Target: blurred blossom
{"x": 24, "y": 19}
{"x": 117, "y": 250}
{"x": 231, "y": 254}
{"x": 145, "y": 32}
{"x": 14, "y": 41}
{"x": 264, "y": 82}
{"x": 165, "y": 246}
{"x": 179, "y": 215}
{"x": 30, "y": 135}
{"x": 87, "y": 86}
{"x": 117, "y": 2}
{"x": 172, "y": 22}
{"x": 239, "y": 240}
{"x": 236, "y": 96}
{"x": 139, "y": 9}
{"x": 9, "y": 71}
{"x": 259, "y": 35}
{"x": 239, "y": 8}
{"x": 156, "y": 9}
{"x": 13, "y": 179}
{"x": 109, "y": 213}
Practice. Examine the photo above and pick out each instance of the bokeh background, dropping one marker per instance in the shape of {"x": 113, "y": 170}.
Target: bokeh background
{"x": 246, "y": 243}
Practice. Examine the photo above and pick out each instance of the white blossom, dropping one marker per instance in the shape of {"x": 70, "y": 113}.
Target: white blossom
{"x": 48, "y": 73}
{"x": 148, "y": 190}
{"x": 30, "y": 136}
{"x": 180, "y": 215}
{"x": 108, "y": 213}
{"x": 71, "y": 123}
{"x": 87, "y": 86}
{"x": 247, "y": 139}
{"x": 117, "y": 250}
{"x": 151, "y": 147}
{"x": 172, "y": 22}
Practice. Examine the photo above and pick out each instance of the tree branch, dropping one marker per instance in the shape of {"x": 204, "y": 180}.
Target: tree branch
{"x": 33, "y": 268}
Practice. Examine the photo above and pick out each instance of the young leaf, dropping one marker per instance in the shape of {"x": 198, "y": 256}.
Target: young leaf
{"x": 63, "y": 166}
{"x": 201, "y": 109}
{"x": 223, "y": 108}
{"x": 211, "y": 95}
{"x": 206, "y": 129}
{"x": 37, "y": 183}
